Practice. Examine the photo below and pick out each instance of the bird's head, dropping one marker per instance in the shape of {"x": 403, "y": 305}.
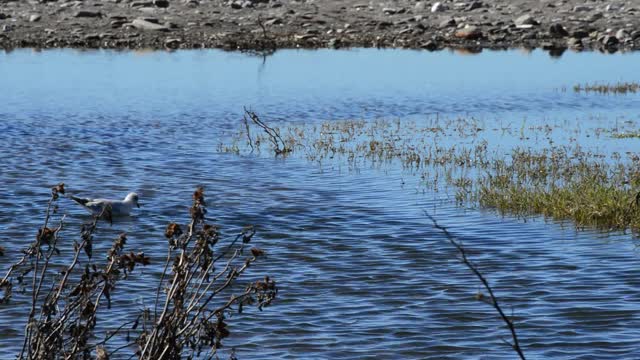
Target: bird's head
{"x": 132, "y": 198}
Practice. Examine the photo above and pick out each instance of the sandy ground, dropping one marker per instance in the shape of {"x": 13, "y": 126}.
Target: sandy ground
{"x": 265, "y": 25}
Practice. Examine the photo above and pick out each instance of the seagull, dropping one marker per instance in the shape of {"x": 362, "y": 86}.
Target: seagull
{"x": 118, "y": 207}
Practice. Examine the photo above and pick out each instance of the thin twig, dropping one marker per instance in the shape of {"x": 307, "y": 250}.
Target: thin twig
{"x": 494, "y": 301}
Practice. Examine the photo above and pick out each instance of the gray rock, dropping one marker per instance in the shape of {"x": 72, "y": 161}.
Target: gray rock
{"x": 438, "y": 7}
{"x": 161, "y": 3}
{"x": 87, "y": 14}
{"x": 35, "y": 18}
{"x": 141, "y": 4}
{"x": 557, "y": 30}
{"x": 143, "y": 24}
{"x": 622, "y": 34}
{"x": 575, "y": 43}
{"x": 474, "y": 5}
{"x": 582, "y": 8}
{"x": 609, "y": 40}
{"x": 447, "y": 23}
{"x": 579, "y": 34}
{"x": 469, "y": 32}
{"x": 172, "y": 43}
{"x": 392, "y": 11}
{"x": 525, "y": 21}
{"x": 4, "y": 16}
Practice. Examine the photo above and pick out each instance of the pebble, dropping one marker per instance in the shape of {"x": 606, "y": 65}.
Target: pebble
{"x": 557, "y": 30}
{"x": 474, "y": 5}
{"x": 438, "y": 7}
{"x": 469, "y": 32}
{"x": 35, "y": 18}
{"x": 143, "y": 24}
{"x": 622, "y": 34}
{"x": 87, "y": 14}
{"x": 525, "y": 22}
{"x": 582, "y": 8}
{"x": 447, "y": 23}
{"x": 172, "y": 43}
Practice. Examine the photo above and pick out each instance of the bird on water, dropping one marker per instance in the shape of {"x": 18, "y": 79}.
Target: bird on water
{"x": 116, "y": 207}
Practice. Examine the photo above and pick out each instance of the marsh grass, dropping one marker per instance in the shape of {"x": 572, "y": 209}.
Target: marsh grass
{"x": 536, "y": 176}
{"x": 626, "y": 135}
{"x": 615, "y": 89}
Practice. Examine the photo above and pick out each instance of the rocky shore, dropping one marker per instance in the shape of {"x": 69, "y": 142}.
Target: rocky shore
{"x": 266, "y": 25}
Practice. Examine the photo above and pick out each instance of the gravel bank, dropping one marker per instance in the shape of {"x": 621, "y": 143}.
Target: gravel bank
{"x": 266, "y": 25}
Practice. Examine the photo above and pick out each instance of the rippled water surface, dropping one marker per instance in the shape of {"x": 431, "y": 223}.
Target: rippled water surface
{"x": 362, "y": 273}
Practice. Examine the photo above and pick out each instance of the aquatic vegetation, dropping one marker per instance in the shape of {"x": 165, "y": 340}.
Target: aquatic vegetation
{"x": 626, "y": 135}
{"x": 562, "y": 182}
{"x": 189, "y": 315}
{"x": 617, "y": 88}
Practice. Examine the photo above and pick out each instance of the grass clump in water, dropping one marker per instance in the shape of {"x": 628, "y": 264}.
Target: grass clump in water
{"x": 563, "y": 182}
{"x": 626, "y": 135}
{"x": 618, "y": 88}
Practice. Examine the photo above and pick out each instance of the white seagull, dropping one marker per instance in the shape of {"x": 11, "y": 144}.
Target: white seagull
{"x": 118, "y": 207}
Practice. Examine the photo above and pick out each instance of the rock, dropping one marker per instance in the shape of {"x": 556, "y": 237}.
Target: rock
{"x": 557, "y": 30}
{"x": 274, "y": 21}
{"x": 438, "y": 7}
{"x": 575, "y": 43}
{"x": 161, "y": 3}
{"x": 141, "y": 4}
{"x": 447, "y": 23}
{"x": 92, "y": 37}
{"x": 609, "y": 40}
{"x": 469, "y": 32}
{"x": 525, "y": 21}
{"x": 4, "y": 16}
{"x": 115, "y": 24}
{"x": 143, "y": 24}
{"x": 392, "y": 11}
{"x": 430, "y": 45}
{"x": 579, "y": 34}
{"x": 622, "y": 34}
{"x": 87, "y": 14}
{"x": 582, "y": 8}
{"x": 172, "y": 43}
{"x": 474, "y": 5}
{"x": 35, "y": 18}
{"x": 236, "y": 5}
{"x": 611, "y": 7}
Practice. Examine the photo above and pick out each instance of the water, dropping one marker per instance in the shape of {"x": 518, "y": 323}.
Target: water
{"x": 362, "y": 273}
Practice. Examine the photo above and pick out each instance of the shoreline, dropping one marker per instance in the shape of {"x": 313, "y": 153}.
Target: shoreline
{"x": 264, "y": 26}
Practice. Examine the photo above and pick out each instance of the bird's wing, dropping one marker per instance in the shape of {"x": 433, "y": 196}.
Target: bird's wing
{"x": 79, "y": 200}
{"x": 94, "y": 206}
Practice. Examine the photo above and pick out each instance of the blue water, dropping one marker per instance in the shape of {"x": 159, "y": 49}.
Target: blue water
{"x": 362, "y": 272}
